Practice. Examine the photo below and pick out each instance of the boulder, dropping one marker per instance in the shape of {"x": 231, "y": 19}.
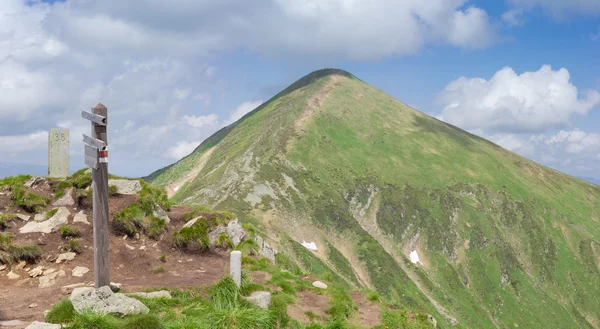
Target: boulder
{"x": 125, "y": 186}
{"x": 234, "y": 231}
{"x": 115, "y": 287}
{"x": 69, "y": 289}
{"x": 261, "y": 299}
{"x": 38, "y": 271}
{"x": 160, "y": 213}
{"x": 81, "y": 217}
{"x": 154, "y": 294}
{"x": 191, "y": 222}
{"x": 23, "y": 217}
{"x": 12, "y": 275}
{"x": 48, "y": 280}
{"x": 79, "y": 271}
{"x": 43, "y": 325}
{"x": 67, "y": 256}
{"x": 66, "y": 200}
{"x": 264, "y": 249}
{"x": 50, "y": 225}
{"x": 104, "y": 301}
{"x": 319, "y": 284}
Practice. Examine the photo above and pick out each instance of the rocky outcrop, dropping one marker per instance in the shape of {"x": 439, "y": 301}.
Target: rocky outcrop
{"x": 160, "y": 213}
{"x": 104, "y": 301}
{"x": 234, "y": 231}
{"x": 261, "y": 299}
{"x": 50, "y": 225}
{"x": 66, "y": 200}
{"x": 264, "y": 249}
{"x": 125, "y": 186}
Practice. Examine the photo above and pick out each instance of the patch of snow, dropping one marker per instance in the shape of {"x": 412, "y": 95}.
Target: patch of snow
{"x": 414, "y": 257}
{"x": 176, "y": 188}
{"x": 309, "y": 245}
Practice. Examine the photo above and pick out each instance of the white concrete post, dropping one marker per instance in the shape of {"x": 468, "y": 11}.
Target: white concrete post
{"x": 235, "y": 266}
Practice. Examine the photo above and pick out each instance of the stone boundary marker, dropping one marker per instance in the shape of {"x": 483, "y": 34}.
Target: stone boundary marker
{"x": 58, "y": 153}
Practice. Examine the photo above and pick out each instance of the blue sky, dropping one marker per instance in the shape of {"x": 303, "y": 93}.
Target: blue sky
{"x": 523, "y": 73}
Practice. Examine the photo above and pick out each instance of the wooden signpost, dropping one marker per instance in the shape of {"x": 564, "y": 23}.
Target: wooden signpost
{"x": 96, "y": 157}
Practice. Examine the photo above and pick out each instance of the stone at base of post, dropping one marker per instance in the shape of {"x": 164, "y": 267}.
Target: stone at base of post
{"x": 235, "y": 266}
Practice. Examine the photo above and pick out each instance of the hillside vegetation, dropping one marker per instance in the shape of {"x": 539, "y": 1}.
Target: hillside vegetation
{"x": 503, "y": 241}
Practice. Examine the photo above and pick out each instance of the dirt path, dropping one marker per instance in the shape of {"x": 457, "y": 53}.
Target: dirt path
{"x": 368, "y": 313}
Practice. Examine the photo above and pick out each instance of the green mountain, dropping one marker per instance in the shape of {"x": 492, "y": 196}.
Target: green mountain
{"x": 503, "y": 242}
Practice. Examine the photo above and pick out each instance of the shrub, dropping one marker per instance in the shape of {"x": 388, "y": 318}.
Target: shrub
{"x": 154, "y": 227}
{"x": 29, "y": 201}
{"x": 62, "y": 312}
{"x": 240, "y": 318}
{"x": 73, "y": 246}
{"x": 5, "y": 219}
{"x": 160, "y": 269}
{"x": 151, "y": 196}
{"x": 163, "y": 258}
{"x": 67, "y": 231}
{"x": 193, "y": 238}
{"x": 129, "y": 221}
{"x": 112, "y": 190}
{"x": 81, "y": 179}
{"x": 10, "y": 253}
{"x": 50, "y": 213}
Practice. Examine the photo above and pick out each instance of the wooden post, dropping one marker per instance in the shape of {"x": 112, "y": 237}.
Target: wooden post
{"x": 100, "y": 206}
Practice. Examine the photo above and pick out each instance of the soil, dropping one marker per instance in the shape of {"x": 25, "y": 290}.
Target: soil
{"x": 308, "y": 301}
{"x": 130, "y": 265}
{"x": 368, "y": 314}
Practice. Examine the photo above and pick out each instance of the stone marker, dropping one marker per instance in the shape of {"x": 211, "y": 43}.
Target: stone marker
{"x": 58, "y": 153}
{"x": 235, "y": 266}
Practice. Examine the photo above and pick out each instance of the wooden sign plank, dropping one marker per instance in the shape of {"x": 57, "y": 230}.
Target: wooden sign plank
{"x": 95, "y": 118}
{"x": 99, "y": 144}
{"x": 91, "y": 156}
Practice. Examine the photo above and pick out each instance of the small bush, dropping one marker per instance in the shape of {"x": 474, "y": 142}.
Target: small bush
{"x": 224, "y": 241}
{"x": 163, "y": 258}
{"x": 62, "y": 312}
{"x": 154, "y": 227}
{"x": 193, "y": 238}
{"x": 5, "y": 219}
{"x": 129, "y": 221}
{"x": 81, "y": 179}
{"x": 151, "y": 196}
{"x": 112, "y": 190}
{"x": 145, "y": 321}
{"x": 160, "y": 269}
{"x": 373, "y": 296}
{"x": 67, "y": 232}
{"x": 10, "y": 253}
{"x": 50, "y": 213}
{"x": 72, "y": 246}
{"x": 29, "y": 201}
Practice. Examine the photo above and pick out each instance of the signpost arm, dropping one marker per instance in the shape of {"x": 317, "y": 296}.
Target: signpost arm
{"x": 100, "y": 207}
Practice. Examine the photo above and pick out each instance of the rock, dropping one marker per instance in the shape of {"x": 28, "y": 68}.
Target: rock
{"x": 79, "y": 290}
{"x": 191, "y": 222}
{"x": 2, "y": 268}
{"x": 115, "y": 287}
{"x": 431, "y": 319}
{"x": 34, "y": 180}
{"x": 264, "y": 249}
{"x": 79, "y": 271}
{"x": 81, "y": 217}
{"x": 154, "y": 294}
{"x": 104, "y": 301}
{"x": 68, "y": 289}
{"x": 50, "y": 225}
{"x": 234, "y": 231}
{"x": 160, "y": 213}
{"x": 67, "y": 256}
{"x": 309, "y": 245}
{"x": 142, "y": 247}
{"x": 66, "y": 200}
{"x": 49, "y": 271}
{"x": 38, "y": 271}
{"x": 21, "y": 265}
{"x": 39, "y": 217}
{"x": 12, "y": 275}
{"x": 34, "y": 305}
{"x": 13, "y": 324}
{"x": 319, "y": 284}
{"x": 23, "y": 217}
{"x": 49, "y": 280}
{"x": 129, "y": 247}
{"x": 43, "y": 325}
{"x": 126, "y": 187}
{"x": 261, "y": 299}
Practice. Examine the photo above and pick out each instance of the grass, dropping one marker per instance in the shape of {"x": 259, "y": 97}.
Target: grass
{"x": 50, "y": 213}
{"x": 68, "y": 232}
{"x": 158, "y": 270}
{"x": 163, "y": 258}
{"x": 62, "y": 312}
{"x": 29, "y": 201}
{"x": 195, "y": 238}
{"x": 5, "y": 219}
{"x": 129, "y": 221}
{"x": 154, "y": 227}
{"x": 72, "y": 246}
{"x": 10, "y": 253}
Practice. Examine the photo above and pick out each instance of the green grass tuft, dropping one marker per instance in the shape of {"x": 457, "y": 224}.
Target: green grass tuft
{"x": 154, "y": 227}
{"x": 10, "y": 253}
{"x": 50, "y": 213}
{"x": 129, "y": 221}
{"x": 63, "y": 312}
{"x": 89, "y": 320}
{"x": 68, "y": 232}
{"x": 73, "y": 246}
{"x": 158, "y": 270}
{"x": 145, "y": 321}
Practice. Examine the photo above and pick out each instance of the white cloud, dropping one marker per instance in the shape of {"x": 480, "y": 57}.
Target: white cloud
{"x": 531, "y": 101}
{"x": 201, "y": 121}
{"x": 560, "y": 9}
{"x": 576, "y": 141}
{"x": 513, "y": 17}
{"x": 205, "y": 97}
{"x": 242, "y": 110}
{"x": 181, "y": 149}
{"x": 20, "y": 143}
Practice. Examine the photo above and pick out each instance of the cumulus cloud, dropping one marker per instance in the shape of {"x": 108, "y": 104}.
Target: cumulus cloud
{"x": 181, "y": 149}
{"x": 242, "y": 110}
{"x": 559, "y": 9}
{"x": 201, "y": 121}
{"x": 509, "y": 102}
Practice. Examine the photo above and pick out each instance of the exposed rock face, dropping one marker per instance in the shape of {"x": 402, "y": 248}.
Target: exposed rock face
{"x": 160, "y": 213}
{"x": 261, "y": 299}
{"x": 104, "y": 301}
{"x": 33, "y": 181}
{"x": 81, "y": 217}
{"x": 265, "y": 249}
{"x": 126, "y": 187}
{"x": 65, "y": 257}
{"x": 50, "y": 225}
{"x": 43, "y": 325}
{"x": 154, "y": 294}
{"x": 79, "y": 271}
{"x": 319, "y": 284}
{"x": 66, "y": 200}
{"x": 234, "y": 231}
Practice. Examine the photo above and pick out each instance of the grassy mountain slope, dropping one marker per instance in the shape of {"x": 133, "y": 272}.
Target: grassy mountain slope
{"x": 503, "y": 241}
